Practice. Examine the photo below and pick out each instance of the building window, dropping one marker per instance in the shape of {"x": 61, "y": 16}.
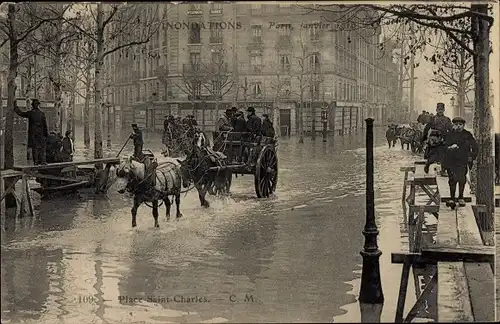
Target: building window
{"x": 257, "y": 89}
{"x": 216, "y": 86}
{"x": 256, "y": 6}
{"x": 284, "y": 62}
{"x": 216, "y": 36}
{"x": 314, "y": 32}
{"x": 195, "y": 34}
{"x": 315, "y": 86}
{"x": 314, "y": 61}
{"x": 195, "y": 60}
{"x": 284, "y": 29}
{"x": 256, "y": 63}
{"x": 256, "y": 33}
{"x": 216, "y": 8}
{"x": 195, "y": 9}
{"x": 216, "y": 57}
{"x": 287, "y": 85}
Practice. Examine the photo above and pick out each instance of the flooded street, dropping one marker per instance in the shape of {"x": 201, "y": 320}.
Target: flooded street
{"x": 291, "y": 258}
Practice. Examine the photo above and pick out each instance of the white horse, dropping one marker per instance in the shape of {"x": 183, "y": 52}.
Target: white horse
{"x": 152, "y": 187}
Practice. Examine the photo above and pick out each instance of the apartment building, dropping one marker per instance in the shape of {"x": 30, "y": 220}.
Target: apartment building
{"x": 270, "y": 56}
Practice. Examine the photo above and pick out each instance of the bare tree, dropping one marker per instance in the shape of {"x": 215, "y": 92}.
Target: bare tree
{"x": 219, "y": 79}
{"x": 22, "y": 20}
{"x": 192, "y": 80}
{"x": 469, "y": 27}
{"x": 454, "y": 73}
{"x": 281, "y": 86}
{"x": 304, "y": 77}
{"x": 116, "y": 26}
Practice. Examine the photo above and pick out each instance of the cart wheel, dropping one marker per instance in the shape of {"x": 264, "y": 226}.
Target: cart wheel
{"x": 266, "y": 172}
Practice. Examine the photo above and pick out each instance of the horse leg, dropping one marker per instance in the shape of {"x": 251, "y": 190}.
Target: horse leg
{"x": 137, "y": 203}
{"x": 167, "y": 203}
{"x": 202, "y": 191}
{"x": 155, "y": 212}
{"x": 178, "y": 205}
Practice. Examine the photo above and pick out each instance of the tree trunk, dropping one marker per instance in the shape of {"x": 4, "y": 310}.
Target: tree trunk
{"x": 313, "y": 118}
{"x": 484, "y": 175}
{"x": 86, "y": 108}
{"x": 11, "y": 89}
{"x": 301, "y": 117}
{"x": 10, "y": 201}
{"x": 110, "y": 125}
{"x": 71, "y": 113}
{"x": 56, "y": 82}
{"x": 97, "y": 83}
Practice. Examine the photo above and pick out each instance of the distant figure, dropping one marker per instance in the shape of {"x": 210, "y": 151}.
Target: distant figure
{"x": 67, "y": 148}
{"x": 461, "y": 151}
{"x": 240, "y": 124}
{"x": 438, "y": 125}
{"x": 391, "y": 135}
{"x": 267, "y": 127}
{"x": 138, "y": 141}
{"x": 254, "y": 124}
{"x": 37, "y": 131}
{"x": 224, "y": 122}
{"x": 53, "y": 148}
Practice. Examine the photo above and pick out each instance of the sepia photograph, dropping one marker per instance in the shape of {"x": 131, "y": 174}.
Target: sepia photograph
{"x": 249, "y": 162}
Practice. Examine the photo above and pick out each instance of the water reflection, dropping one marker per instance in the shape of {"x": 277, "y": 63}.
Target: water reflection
{"x": 296, "y": 254}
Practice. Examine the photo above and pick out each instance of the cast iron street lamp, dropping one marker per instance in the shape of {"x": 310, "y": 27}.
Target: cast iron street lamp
{"x": 371, "y": 286}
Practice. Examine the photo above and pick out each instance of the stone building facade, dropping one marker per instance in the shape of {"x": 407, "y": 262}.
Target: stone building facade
{"x": 272, "y": 56}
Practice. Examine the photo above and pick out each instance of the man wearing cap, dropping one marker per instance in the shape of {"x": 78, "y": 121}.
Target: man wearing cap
{"x": 254, "y": 123}
{"x": 461, "y": 151}
{"x": 37, "y": 130}
{"x": 438, "y": 126}
{"x": 138, "y": 141}
{"x": 267, "y": 127}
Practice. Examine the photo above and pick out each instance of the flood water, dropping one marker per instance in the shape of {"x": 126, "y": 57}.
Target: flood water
{"x": 290, "y": 258}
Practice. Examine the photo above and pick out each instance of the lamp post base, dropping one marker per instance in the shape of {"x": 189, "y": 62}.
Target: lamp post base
{"x": 371, "y": 285}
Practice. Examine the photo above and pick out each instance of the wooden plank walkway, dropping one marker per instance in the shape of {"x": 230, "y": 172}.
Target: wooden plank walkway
{"x": 465, "y": 290}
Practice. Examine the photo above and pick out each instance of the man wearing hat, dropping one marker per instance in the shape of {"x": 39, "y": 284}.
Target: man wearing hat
{"x": 461, "y": 151}
{"x": 138, "y": 141}
{"x": 37, "y": 130}
{"x": 267, "y": 126}
{"x": 224, "y": 123}
{"x": 438, "y": 126}
{"x": 254, "y": 123}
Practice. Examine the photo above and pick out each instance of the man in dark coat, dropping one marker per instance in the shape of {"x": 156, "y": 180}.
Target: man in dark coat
{"x": 267, "y": 127}
{"x": 37, "y": 130}
{"x": 240, "y": 124}
{"x": 67, "y": 148}
{"x": 439, "y": 125}
{"x": 461, "y": 151}
{"x": 254, "y": 124}
{"x": 138, "y": 141}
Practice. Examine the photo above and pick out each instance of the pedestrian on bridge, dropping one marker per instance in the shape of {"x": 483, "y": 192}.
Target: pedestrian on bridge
{"x": 37, "y": 130}
{"x": 461, "y": 151}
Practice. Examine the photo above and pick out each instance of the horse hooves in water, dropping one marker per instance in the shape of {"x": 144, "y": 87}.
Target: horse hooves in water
{"x": 178, "y": 216}
{"x": 205, "y": 204}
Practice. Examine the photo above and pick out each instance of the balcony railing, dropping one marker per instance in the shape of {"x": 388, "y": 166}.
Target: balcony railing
{"x": 215, "y": 39}
{"x": 215, "y": 11}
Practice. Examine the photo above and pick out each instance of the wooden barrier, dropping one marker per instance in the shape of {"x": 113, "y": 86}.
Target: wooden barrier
{"x": 467, "y": 291}
{"x": 465, "y": 287}
{"x": 24, "y": 172}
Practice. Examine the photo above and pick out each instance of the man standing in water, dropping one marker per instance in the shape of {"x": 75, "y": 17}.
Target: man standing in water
{"x": 461, "y": 151}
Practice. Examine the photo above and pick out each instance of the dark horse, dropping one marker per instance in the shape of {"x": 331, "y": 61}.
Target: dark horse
{"x": 391, "y": 135}
{"x": 152, "y": 187}
{"x": 196, "y": 167}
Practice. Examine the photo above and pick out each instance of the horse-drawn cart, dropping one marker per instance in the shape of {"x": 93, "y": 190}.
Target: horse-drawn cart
{"x": 247, "y": 154}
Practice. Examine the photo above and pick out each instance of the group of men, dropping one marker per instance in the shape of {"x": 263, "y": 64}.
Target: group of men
{"x": 45, "y": 147}
{"x": 234, "y": 120}
{"x": 449, "y": 144}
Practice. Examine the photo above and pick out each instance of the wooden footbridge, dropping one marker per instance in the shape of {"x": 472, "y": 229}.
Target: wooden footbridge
{"x": 54, "y": 177}
{"x": 453, "y": 250}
